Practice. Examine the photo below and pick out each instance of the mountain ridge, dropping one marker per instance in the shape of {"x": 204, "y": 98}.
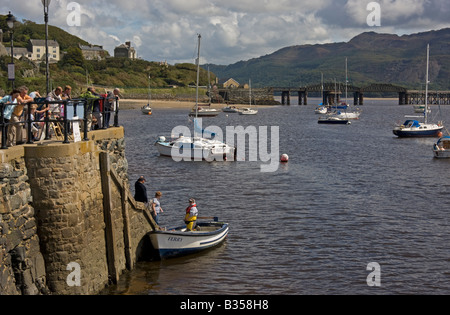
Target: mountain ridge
{"x": 372, "y": 58}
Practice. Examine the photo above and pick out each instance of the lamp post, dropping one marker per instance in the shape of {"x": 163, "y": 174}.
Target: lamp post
{"x": 46, "y": 4}
{"x": 11, "y": 68}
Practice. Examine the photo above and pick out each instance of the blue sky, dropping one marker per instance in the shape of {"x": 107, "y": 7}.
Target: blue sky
{"x": 232, "y": 30}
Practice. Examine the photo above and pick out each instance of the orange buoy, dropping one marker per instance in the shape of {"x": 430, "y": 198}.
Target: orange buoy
{"x": 440, "y": 134}
{"x": 284, "y": 158}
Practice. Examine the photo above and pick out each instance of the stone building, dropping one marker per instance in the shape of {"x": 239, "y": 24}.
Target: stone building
{"x": 231, "y": 83}
{"x": 92, "y": 52}
{"x": 125, "y": 51}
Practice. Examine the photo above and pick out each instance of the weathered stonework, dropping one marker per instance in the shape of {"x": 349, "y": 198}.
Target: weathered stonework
{"x": 22, "y": 269}
{"x": 52, "y": 215}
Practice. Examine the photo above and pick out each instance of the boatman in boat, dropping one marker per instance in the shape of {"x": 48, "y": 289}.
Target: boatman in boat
{"x": 191, "y": 215}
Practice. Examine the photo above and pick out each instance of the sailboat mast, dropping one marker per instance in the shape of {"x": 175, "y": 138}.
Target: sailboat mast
{"x": 346, "y": 80}
{"x": 321, "y": 88}
{"x": 250, "y": 92}
{"x": 198, "y": 76}
{"x": 149, "y": 88}
{"x": 426, "y": 85}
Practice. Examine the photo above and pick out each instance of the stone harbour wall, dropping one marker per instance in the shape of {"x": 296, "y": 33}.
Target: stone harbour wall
{"x": 263, "y": 96}
{"x": 22, "y": 267}
{"x": 53, "y": 227}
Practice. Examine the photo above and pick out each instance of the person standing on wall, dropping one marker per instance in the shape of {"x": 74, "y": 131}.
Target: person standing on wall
{"x": 140, "y": 193}
{"x": 156, "y": 207}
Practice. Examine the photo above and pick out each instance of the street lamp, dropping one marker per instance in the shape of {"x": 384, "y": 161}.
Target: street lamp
{"x": 46, "y": 4}
{"x": 11, "y": 69}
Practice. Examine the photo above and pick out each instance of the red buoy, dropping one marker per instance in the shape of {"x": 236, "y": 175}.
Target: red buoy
{"x": 284, "y": 158}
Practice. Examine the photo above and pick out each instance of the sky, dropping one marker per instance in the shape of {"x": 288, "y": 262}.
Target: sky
{"x": 232, "y": 30}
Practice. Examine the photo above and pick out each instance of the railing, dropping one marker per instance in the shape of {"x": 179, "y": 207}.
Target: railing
{"x": 74, "y": 110}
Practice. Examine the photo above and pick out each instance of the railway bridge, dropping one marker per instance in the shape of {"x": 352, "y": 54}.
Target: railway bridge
{"x": 333, "y": 93}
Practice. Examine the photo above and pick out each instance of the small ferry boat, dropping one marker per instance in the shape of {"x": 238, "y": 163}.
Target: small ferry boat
{"x": 179, "y": 242}
{"x": 441, "y": 149}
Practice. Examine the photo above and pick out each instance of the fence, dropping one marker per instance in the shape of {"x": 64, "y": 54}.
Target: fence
{"x": 60, "y": 116}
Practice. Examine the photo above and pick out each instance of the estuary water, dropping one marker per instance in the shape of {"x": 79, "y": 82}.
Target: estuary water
{"x": 350, "y": 196}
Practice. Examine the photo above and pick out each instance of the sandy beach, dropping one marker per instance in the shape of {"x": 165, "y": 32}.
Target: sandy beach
{"x": 174, "y": 104}
{"x": 161, "y": 104}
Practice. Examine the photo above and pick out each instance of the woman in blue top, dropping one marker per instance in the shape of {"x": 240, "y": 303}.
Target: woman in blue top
{"x": 10, "y": 102}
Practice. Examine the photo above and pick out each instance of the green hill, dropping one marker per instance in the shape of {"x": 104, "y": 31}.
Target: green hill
{"x": 74, "y": 70}
{"x": 372, "y": 58}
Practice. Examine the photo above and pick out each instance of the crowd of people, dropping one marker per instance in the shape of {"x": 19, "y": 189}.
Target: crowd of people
{"x": 15, "y": 106}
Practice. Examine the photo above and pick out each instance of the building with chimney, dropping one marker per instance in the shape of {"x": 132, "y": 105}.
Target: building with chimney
{"x": 125, "y": 51}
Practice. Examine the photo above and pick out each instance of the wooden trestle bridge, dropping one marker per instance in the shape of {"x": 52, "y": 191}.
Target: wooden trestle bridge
{"x": 405, "y": 96}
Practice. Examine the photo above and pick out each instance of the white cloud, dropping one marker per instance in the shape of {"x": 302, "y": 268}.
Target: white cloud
{"x": 232, "y": 30}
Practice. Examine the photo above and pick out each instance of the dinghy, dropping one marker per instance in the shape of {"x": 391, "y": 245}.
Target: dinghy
{"x": 179, "y": 242}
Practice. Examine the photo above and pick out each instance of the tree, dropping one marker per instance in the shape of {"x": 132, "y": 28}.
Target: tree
{"x": 73, "y": 57}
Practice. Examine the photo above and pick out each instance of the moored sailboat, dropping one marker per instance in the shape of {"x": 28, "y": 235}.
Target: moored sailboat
{"x": 197, "y": 147}
{"x": 249, "y": 110}
{"x": 414, "y": 128}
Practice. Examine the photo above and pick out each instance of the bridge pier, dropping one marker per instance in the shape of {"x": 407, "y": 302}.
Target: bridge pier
{"x": 286, "y": 98}
{"x": 302, "y": 98}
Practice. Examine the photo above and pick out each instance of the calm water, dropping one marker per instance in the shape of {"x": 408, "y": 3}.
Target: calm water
{"x": 350, "y": 195}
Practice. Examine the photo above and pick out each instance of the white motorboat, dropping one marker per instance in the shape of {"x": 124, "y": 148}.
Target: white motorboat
{"x": 441, "y": 149}
{"x": 248, "y": 111}
{"x": 195, "y": 148}
{"x": 179, "y": 242}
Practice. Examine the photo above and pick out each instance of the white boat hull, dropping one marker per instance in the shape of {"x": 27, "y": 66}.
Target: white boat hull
{"x": 442, "y": 148}
{"x": 414, "y": 129}
{"x": 205, "y": 112}
{"x": 195, "y": 149}
{"x": 248, "y": 111}
{"x": 179, "y": 242}
{"x": 352, "y": 115}
{"x": 321, "y": 110}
